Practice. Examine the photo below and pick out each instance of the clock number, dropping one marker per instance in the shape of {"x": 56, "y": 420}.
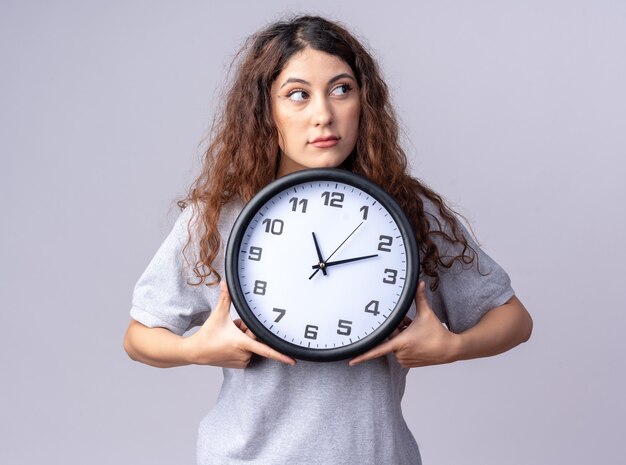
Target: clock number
{"x": 364, "y": 209}
{"x": 333, "y": 199}
{"x": 344, "y": 327}
{"x": 372, "y": 307}
{"x": 260, "y": 287}
{"x": 274, "y": 226}
{"x": 281, "y": 312}
{"x": 255, "y": 254}
{"x": 385, "y": 242}
{"x": 295, "y": 201}
{"x": 310, "y": 332}
{"x": 391, "y": 276}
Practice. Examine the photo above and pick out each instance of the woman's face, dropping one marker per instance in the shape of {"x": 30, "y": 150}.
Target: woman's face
{"x": 316, "y": 108}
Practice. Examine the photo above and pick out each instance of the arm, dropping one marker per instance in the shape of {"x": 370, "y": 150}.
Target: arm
{"x": 220, "y": 341}
{"x": 425, "y": 341}
{"x": 501, "y": 329}
{"x": 158, "y": 347}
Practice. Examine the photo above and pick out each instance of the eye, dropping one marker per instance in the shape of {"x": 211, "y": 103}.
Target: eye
{"x": 343, "y": 89}
{"x": 297, "y": 95}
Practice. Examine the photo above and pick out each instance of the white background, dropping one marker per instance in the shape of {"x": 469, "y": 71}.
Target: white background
{"x": 513, "y": 110}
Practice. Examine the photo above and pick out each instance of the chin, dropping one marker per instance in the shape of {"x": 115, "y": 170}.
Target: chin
{"x": 330, "y": 161}
{"x": 319, "y": 160}
{"x": 328, "y": 164}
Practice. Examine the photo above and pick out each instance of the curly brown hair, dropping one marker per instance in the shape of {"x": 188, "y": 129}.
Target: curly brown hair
{"x": 236, "y": 166}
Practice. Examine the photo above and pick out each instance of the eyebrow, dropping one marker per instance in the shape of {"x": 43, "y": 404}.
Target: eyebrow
{"x": 330, "y": 81}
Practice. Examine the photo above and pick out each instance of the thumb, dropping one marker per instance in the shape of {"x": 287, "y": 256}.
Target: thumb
{"x": 421, "y": 302}
{"x": 223, "y": 302}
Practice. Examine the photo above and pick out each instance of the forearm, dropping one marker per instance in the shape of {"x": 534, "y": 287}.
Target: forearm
{"x": 156, "y": 346}
{"x": 501, "y": 329}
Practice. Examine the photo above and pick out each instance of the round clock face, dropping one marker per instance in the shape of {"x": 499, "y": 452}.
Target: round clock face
{"x": 322, "y": 265}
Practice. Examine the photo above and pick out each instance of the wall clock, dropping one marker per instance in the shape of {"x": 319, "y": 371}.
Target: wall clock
{"x": 322, "y": 264}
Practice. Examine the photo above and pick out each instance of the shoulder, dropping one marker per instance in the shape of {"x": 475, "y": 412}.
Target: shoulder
{"x": 227, "y": 216}
{"x": 445, "y": 228}
{"x": 440, "y": 217}
{"x": 191, "y": 217}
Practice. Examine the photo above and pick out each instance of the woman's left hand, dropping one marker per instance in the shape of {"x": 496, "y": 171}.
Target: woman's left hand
{"x": 425, "y": 341}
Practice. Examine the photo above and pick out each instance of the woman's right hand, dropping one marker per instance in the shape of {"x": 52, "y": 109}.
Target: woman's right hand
{"x": 223, "y": 342}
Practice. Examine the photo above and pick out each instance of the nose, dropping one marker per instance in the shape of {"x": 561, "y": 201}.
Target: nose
{"x": 322, "y": 112}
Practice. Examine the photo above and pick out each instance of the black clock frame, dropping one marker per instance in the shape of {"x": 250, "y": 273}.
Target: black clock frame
{"x": 233, "y": 253}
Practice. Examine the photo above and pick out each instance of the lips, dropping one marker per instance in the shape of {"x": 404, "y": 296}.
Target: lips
{"x": 325, "y": 141}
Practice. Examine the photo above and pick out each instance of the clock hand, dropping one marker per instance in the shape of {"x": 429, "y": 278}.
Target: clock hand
{"x": 319, "y": 256}
{"x": 339, "y": 262}
{"x": 344, "y": 241}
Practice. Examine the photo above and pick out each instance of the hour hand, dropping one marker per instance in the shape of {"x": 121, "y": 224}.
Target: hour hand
{"x": 321, "y": 265}
{"x": 339, "y": 262}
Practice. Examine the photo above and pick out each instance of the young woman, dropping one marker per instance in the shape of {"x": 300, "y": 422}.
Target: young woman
{"x": 307, "y": 94}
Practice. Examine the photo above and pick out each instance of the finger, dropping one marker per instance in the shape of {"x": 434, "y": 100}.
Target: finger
{"x": 244, "y": 329}
{"x": 241, "y": 325}
{"x": 248, "y": 332}
{"x": 378, "y": 351}
{"x": 267, "y": 352}
{"x": 395, "y": 332}
{"x": 406, "y": 322}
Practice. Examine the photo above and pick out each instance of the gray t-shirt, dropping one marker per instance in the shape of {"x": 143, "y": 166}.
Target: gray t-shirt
{"x": 313, "y": 413}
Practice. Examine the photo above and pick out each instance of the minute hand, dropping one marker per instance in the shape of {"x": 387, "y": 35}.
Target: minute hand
{"x": 347, "y": 260}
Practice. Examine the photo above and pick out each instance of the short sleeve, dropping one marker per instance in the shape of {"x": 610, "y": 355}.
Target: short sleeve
{"x": 467, "y": 292}
{"x": 163, "y": 296}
